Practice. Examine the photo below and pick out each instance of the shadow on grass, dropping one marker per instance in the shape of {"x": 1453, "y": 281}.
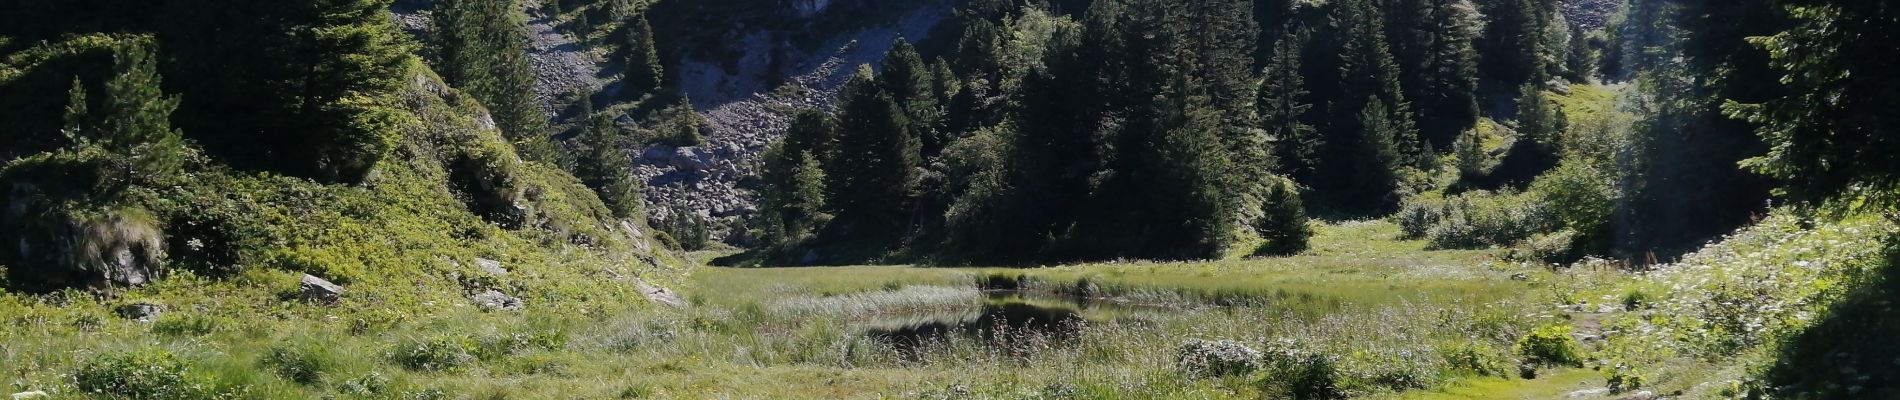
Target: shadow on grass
{"x": 1851, "y": 352}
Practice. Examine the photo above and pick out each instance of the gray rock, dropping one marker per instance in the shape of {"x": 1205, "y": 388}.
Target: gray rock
{"x": 495, "y": 300}
{"x": 141, "y": 312}
{"x": 1588, "y": 393}
{"x": 658, "y": 294}
{"x": 36, "y": 394}
{"x": 492, "y": 267}
{"x": 318, "y": 290}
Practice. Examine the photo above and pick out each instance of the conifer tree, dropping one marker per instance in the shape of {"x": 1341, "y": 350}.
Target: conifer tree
{"x": 873, "y": 171}
{"x": 317, "y": 79}
{"x": 1366, "y": 143}
{"x": 481, "y": 47}
{"x": 644, "y": 72}
{"x": 1281, "y": 106}
{"x": 793, "y": 200}
{"x": 909, "y": 82}
{"x": 1432, "y": 43}
{"x": 604, "y": 161}
{"x": 129, "y": 135}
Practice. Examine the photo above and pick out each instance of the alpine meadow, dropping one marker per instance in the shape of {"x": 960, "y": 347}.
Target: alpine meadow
{"x": 949, "y": 199}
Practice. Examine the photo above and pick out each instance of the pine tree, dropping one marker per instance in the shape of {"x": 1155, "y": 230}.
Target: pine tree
{"x": 303, "y": 88}
{"x": 1514, "y": 50}
{"x": 1282, "y": 92}
{"x": 129, "y": 135}
{"x": 644, "y": 73}
{"x": 1432, "y": 44}
{"x": 1283, "y": 224}
{"x": 874, "y": 169}
{"x": 909, "y": 82}
{"x": 481, "y": 47}
{"x": 1367, "y": 143}
{"x": 793, "y": 198}
{"x": 1835, "y": 129}
{"x": 603, "y": 164}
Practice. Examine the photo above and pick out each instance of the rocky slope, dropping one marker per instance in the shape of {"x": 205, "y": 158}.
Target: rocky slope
{"x": 745, "y": 115}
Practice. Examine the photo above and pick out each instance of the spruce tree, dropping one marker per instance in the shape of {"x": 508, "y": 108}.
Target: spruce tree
{"x": 874, "y": 168}
{"x": 1513, "y": 48}
{"x": 644, "y": 72}
{"x": 1432, "y": 43}
{"x": 909, "y": 82}
{"x": 793, "y": 200}
{"x": 603, "y": 164}
{"x": 1370, "y": 134}
{"x": 481, "y": 47}
{"x": 1283, "y": 222}
{"x": 129, "y": 135}
{"x": 1281, "y": 107}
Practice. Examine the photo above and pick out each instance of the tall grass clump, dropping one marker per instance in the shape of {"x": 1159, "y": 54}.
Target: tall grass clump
{"x": 148, "y": 373}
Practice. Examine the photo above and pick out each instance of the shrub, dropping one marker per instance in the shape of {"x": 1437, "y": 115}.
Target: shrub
{"x": 1283, "y": 221}
{"x": 1417, "y": 216}
{"x": 1579, "y": 196}
{"x": 1216, "y": 358}
{"x": 1295, "y": 372}
{"x": 140, "y": 374}
{"x": 1550, "y": 346}
{"x": 438, "y": 353}
{"x": 1476, "y": 359}
{"x": 302, "y": 361}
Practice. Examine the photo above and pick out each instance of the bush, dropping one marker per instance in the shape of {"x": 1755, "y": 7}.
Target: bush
{"x": 1298, "y": 373}
{"x": 1216, "y": 358}
{"x": 439, "y": 353}
{"x": 1550, "y": 346}
{"x": 1579, "y": 196}
{"x": 1283, "y": 221}
{"x": 140, "y": 374}
{"x": 303, "y": 361}
{"x": 1476, "y": 359}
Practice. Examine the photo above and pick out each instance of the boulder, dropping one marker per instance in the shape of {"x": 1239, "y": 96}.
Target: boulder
{"x": 36, "y": 394}
{"x": 141, "y": 312}
{"x": 495, "y": 300}
{"x": 318, "y": 290}
{"x": 490, "y": 266}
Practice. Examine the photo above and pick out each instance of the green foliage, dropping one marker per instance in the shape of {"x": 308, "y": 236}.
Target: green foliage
{"x": 1829, "y": 133}
{"x": 602, "y": 165}
{"x": 436, "y": 353}
{"x": 1283, "y": 221}
{"x": 793, "y": 201}
{"x": 1550, "y": 345}
{"x": 481, "y": 47}
{"x": 644, "y": 74}
{"x": 147, "y": 373}
{"x": 872, "y": 174}
{"x": 317, "y": 79}
{"x": 304, "y": 361}
{"x": 1432, "y": 43}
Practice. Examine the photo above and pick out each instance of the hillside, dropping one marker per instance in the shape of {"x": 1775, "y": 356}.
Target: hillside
{"x": 949, "y": 199}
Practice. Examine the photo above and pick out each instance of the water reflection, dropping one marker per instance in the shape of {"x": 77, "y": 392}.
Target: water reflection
{"x": 1005, "y": 318}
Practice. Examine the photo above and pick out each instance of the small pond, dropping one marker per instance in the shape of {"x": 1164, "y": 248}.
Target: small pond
{"x": 1004, "y": 318}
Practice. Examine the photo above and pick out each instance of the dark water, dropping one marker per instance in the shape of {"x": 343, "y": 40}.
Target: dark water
{"x": 1006, "y": 318}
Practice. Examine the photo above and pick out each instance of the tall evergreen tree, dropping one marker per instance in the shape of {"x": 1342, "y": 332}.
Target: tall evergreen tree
{"x": 603, "y": 164}
{"x": 910, "y": 84}
{"x": 1432, "y": 43}
{"x": 1281, "y": 106}
{"x": 1359, "y": 134}
{"x": 873, "y": 172}
{"x": 1513, "y": 49}
{"x": 1835, "y": 129}
{"x": 304, "y": 88}
{"x": 481, "y": 47}
{"x": 793, "y": 200}
{"x": 644, "y": 72}
{"x": 129, "y": 135}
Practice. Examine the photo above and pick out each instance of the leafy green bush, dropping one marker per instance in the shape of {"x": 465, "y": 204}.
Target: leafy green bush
{"x": 1550, "y": 346}
{"x": 1476, "y": 359}
{"x": 140, "y": 374}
